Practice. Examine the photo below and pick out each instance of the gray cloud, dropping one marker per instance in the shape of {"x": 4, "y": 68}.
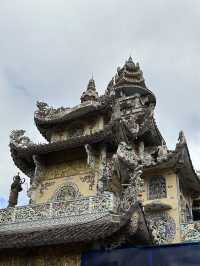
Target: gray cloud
{"x": 49, "y": 49}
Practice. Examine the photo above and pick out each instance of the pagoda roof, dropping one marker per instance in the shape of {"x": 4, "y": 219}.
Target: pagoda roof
{"x": 181, "y": 162}
{"x": 67, "y": 222}
{"x": 23, "y": 154}
{"x": 47, "y": 117}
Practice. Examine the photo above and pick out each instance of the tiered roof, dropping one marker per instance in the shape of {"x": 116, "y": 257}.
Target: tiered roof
{"x": 129, "y": 80}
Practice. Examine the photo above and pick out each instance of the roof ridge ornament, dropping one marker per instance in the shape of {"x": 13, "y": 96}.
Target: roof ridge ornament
{"x": 18, "y": 138}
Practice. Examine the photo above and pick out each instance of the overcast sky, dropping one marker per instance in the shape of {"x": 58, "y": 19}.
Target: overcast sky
{"x": 50, "y": 48}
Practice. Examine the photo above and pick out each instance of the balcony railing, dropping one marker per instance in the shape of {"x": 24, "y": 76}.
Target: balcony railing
{"x": 190, "y": 232}
{"x": 53, "y": 210}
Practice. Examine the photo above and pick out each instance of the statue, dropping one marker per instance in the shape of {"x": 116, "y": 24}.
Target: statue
{"x": 16, "y": 187}
{"x": 162, "y": 152}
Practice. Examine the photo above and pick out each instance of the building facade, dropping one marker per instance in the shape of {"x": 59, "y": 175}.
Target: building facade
{"x": 104, "y": 178}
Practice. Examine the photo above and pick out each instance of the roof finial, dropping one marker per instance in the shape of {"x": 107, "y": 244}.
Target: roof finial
{"x": 91, "y": 85}
{"x": 130, "y": 59}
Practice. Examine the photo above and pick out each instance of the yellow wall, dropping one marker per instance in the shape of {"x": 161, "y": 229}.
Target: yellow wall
{"x": 55, "y": 176}
{"x": 172, "y": 196}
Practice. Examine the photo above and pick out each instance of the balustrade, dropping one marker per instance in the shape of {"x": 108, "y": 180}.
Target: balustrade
{"x": 80, "y": 206}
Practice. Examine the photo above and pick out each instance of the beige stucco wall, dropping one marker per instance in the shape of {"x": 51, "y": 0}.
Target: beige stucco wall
{"x": 55, "y": 176}
{"x": 172, "y": 196}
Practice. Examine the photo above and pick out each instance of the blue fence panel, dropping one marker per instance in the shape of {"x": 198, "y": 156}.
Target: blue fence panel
{"x": 171, "y": 255}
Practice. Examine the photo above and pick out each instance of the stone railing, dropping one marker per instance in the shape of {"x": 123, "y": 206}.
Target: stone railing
{"x": 53, "y": 210}
{"x": 190, "y": 232}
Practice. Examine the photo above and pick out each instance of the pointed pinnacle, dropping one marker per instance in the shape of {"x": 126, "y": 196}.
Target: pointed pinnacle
{"x": 130, "y": 59}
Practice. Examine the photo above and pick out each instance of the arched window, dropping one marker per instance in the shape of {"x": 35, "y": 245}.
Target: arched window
{"x": 157, "y": 187}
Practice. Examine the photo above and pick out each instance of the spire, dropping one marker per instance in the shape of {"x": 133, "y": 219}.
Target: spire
{"x": 90, "y": 94}
{"x": 130, "y": 64}
{"x": 130, "y": 60}
{"x": 128, "y": 81}
{"x": 129, "y": 74}
{"x": 91, "y": 85}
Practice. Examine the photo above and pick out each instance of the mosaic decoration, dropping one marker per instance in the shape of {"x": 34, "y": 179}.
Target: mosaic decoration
{"x": 162, "y": 226}
{"x": 44, "y": 211}
{"x": 190, "y": 232}
{"x": 157, "y": 187}
{"x": 67, "y": 192}
{"x": 105, "y": 174}
{"x": 131, "y": 193}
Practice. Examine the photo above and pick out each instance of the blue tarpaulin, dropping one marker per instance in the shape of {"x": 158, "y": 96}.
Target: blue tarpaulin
{"x": 170, "y": 255}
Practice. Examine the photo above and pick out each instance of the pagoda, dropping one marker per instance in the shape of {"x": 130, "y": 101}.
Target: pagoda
{"x": 104, "y": 178}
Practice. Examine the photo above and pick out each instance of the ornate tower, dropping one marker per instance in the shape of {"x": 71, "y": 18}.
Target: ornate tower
{"x": 105, "y": 176}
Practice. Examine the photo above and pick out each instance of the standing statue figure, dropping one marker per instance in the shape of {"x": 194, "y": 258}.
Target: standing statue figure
{"x": 16, "y": 187}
